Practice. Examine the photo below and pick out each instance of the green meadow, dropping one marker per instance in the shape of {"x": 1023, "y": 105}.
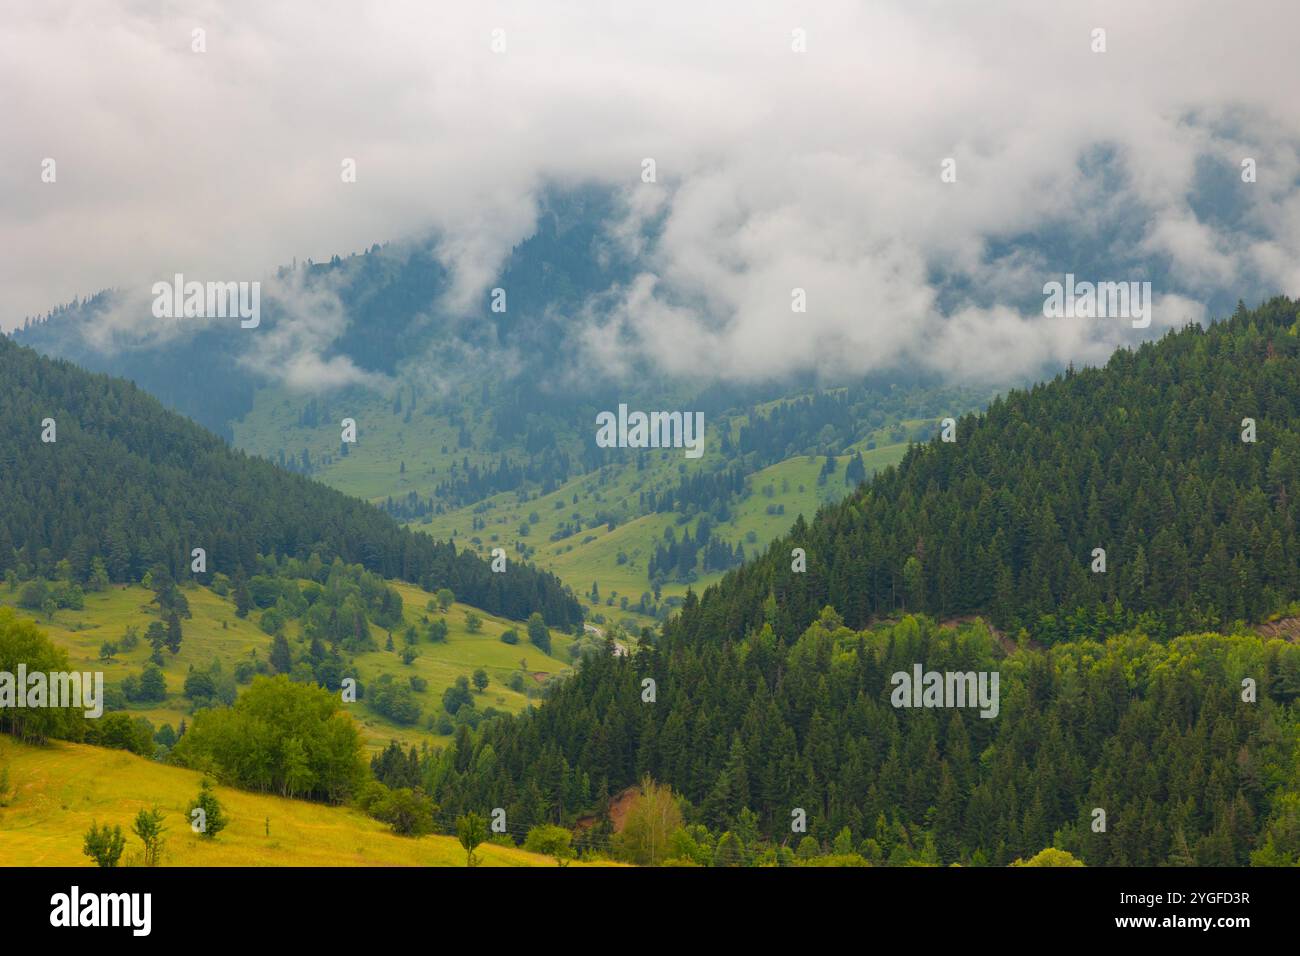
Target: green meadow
{"x": 215, "y": 632}
{"x": 60, "y": 789}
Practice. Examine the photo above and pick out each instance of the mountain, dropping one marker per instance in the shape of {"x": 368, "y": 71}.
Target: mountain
{"x": 477, "y": 425}
{"x": 1144, "y": 459}
{"x": 129, "y": 483}
{"x": 775, "y": 691}
{"x": 398, "y": 309}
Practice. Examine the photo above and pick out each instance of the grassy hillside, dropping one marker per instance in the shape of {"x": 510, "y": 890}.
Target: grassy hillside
{"x": 60, "y": 789}
{"x": 778, "y": 494}
{"x": 216, "y": 632}
{"x": 408, "y": 444}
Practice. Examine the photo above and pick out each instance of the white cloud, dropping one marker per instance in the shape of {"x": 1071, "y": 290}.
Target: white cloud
{"x": 818, "y": 170}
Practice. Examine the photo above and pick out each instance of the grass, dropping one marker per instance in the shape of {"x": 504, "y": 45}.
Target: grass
{"x": 215, "y": 631}
{"x": 789, "y": 488}
{"x": 460, "y": 655}
{"x": 61, "y": 788}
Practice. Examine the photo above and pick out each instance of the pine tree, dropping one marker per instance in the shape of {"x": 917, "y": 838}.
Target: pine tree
{"x": 281, "y": 657}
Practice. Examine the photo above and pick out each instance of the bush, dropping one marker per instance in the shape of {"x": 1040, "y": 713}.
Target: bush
{"x": 33, "y": 595}
{"x": 199, "y": 686}
{"x": 128, "y": 641}
{"x": 395, "y": 701}
{"x": 281, "y": 737}
{"x": 809, "y": 848}
{"x": 407, "y": 812}
{"x": 68, "y": 596}
{"x": 511, "y": 636}
{"x": 151, "y": 686}
{"x": 469, "y": 716}
{"x": 553, "y": 841}
{"x": 207, "y": 818}
{"x": 457, "y": 696}
{"x": 103, "y": 845}
{"x": 121, "y": 732}
{"x": 1050, "y": 857}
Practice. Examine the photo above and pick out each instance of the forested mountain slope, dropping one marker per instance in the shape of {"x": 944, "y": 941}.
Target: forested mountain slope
{"x": 766, "y": 703}
{"x": 133, "y": 484}
{"x": 750, "y": 730}
{"x": 1144, "y": 458}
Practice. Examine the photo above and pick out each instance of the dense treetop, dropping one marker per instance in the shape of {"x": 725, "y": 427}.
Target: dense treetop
{"x": 773, "y": 689}
{"x": 1143, "y": 458}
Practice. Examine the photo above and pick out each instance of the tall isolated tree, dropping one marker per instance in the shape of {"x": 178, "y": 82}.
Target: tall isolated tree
{"x": 471, "y": 830}
{"x": 173, "y": 632}
{"x": 281, "y": 657}
{"x": 243, "y": 599}
{"x": 149, "y": 828}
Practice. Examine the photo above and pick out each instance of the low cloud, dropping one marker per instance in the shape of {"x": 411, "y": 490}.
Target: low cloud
{"x": 308, "y": 317}
{"x": 776, "y": 169}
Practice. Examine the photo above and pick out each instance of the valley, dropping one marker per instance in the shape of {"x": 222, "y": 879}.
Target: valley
{"x": 592, "y": 527}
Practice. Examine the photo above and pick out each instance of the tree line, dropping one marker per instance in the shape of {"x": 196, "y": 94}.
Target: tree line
{"x": 134, "y": 485}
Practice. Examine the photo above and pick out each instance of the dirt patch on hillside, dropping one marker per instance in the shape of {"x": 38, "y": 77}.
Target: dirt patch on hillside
{"x": 1287, "y": 628}
{"x": 620, "y": 805}
{"x": 618, "y": 811}
{"x": 1007, "y": 644}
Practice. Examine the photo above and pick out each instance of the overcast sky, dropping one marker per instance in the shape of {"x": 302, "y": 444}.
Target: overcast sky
{"x": 776, "y": 169}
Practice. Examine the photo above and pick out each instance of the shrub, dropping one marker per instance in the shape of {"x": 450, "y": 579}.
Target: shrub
{"x": 407, "y": 812}
{"x": 206, "y": 814}
{"x": 103, "y": 845}
{"x": 550, "y": 840}
{"x": 149, "y": 828}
